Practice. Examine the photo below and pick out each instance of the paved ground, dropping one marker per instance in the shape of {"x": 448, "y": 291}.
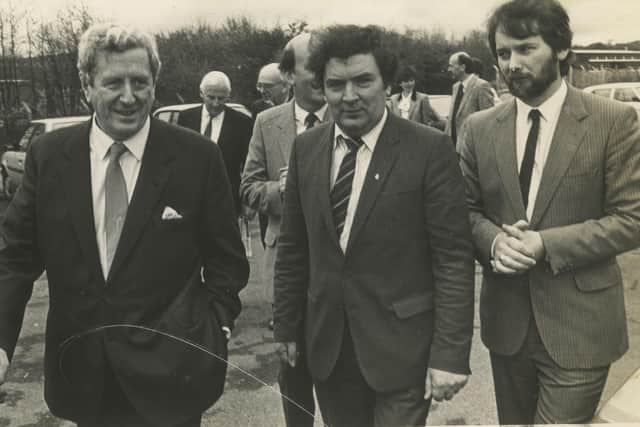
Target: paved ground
{"x": 249, "y": 402}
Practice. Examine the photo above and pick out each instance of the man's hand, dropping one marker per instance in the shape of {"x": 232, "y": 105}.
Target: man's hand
{"x": 4, "y": 365}
{"x": 443, "y": 385}
{"x": 288, "y": 353}
{"x": 530, "y": 240}
{"x": 510, "y": 255}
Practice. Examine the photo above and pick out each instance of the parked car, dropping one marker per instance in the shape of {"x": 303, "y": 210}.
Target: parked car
{"x": 12, "y": 162}
{"x": 170, "y": 113}
{"x": 625, "y": 92}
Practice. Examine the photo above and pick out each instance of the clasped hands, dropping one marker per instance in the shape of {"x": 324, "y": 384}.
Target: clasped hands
{"x": 517, "y": 249}
{"x": 441, "y": 385}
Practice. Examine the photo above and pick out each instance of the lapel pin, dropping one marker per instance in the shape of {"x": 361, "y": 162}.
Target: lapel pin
{"x": 377, "y": 176}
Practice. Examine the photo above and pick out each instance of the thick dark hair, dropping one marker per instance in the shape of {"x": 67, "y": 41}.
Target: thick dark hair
{"x": 343, "y": 41}
{"x": 525, "y": 18}
{"x": 406, "y": 73}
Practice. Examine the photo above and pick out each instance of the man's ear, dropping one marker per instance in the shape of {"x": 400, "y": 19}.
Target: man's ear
{"x": 288, "y": 77}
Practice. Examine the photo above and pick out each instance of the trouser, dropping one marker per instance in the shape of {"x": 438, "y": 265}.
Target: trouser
{"x": 347, "y": 400}
{"x": 531, "y": 388}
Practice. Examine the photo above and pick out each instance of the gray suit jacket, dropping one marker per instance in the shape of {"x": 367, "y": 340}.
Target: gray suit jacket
{"x": 587, "y": 211}
{"x": 477, "y": 96}
{"x": 420, "y": 110}
{"x": 269, "y": 151}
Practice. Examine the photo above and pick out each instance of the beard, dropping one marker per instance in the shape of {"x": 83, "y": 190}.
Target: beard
{"x": 527, "y": 86}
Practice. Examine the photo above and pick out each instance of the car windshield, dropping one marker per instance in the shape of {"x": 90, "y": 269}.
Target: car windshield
{"x": 627, "y": 94}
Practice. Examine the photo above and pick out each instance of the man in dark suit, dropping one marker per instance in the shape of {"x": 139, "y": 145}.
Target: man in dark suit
{"x": 261, "y": 189}
{"x": 413, "y": 105}
{"x": 553, "y": 181}
{"x": 374, "y": 259}
{"x": 223, "y": 125}
{"x": 133, "y": 221}
{"x": 470, "y": 93}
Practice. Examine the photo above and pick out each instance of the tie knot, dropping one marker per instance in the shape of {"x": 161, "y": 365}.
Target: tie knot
{"x": 352, "y": 144}
{"x": 310, "y": 120}
{"x": 534, "y": 115}
{"x": 116, "y": 150}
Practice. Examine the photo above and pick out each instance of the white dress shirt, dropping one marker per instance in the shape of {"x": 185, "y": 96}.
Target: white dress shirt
{"x": 301, "y": 115}
{"x": 549, "y": 114}
{"x": 216, "y": 124}
{"x": 404, "y": 105}
{"x": 130, "y": 160}
{"x": 363, "y": 158}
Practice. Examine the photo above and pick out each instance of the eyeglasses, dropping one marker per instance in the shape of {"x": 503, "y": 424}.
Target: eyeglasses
{"x": 260, "y": 86}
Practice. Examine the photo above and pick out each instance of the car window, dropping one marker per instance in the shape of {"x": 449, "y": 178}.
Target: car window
{"x": 625, "y": 95}
{"x": 164, "y": 116}
{"x": 32, "y": 131}
{"x": 602, "y": 92}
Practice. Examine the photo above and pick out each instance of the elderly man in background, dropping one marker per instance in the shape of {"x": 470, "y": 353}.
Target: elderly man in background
{"x": 133, "y": 221}
{"x": 273, "y": 87}
{"x": 223, "y": 125}
{"x": 411, "y": 104}
{"x": 470, "y": 93}
{"x": 262, "y": 186}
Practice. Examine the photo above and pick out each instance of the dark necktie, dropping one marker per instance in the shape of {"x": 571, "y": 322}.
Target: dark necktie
{"x": 456, "y": 105}
{"x": 116, "y": 200}
{"x": 207, "y": 130}
{"x": 310, "y": 121}
{"x": 526, "y": 168}
{"x": 341, "y": 190}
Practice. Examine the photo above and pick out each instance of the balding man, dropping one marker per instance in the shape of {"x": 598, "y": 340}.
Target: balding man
{"x": 273, "y": 88}
{"x": 224, "y": 126}
{"x": 470, "y": 93}
{"x": 261, "y": 189}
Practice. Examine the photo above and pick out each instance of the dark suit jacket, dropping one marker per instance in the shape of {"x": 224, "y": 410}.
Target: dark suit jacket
{"x": 405, "y": 283}
{"x": 587, "y": 211}
{"x": 155, "y": 279}
{"x": 233, "y": 141}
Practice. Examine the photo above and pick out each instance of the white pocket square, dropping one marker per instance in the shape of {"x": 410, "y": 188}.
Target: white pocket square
{"x": 170, "y": 213}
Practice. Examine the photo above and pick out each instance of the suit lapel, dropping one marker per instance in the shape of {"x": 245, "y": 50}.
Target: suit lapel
{"x": 324, "y": 155}
{"x": 382, "y": 161}
{"x": 567, "y": 138}
{"x": 225, "y": 130}
{"x": 504, "y": 145}
{"x": 286, "y": 131}
{"x": 77, "y": 182}
{"x": 154, "y": 173}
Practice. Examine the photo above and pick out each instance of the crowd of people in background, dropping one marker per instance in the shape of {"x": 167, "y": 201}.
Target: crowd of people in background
{"x": 373, "y": 210}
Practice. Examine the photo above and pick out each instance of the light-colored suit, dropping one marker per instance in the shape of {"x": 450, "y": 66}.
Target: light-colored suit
{"x": 587, "y": 211}
{"x": 477, "y": 96}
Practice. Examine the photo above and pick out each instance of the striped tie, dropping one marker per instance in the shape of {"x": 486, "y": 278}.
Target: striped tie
{"x": 116, "y": 200}
{"x": 341, "y": 190}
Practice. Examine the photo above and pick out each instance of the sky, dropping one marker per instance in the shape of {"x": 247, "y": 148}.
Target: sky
{"x": 591, "y": 20}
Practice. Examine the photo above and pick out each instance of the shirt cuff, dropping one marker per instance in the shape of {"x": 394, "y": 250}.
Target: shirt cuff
{"x": 227, "y": 332}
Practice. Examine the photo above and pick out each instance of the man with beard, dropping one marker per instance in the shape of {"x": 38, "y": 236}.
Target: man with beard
{"x": 553, "y": 180}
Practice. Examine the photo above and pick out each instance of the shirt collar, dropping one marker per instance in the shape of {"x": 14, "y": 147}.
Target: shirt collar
{"x": 100, "y": 142}
{"x": 549, "y": 108}
{"x": 370, "y": 139}
{"x": 301, "y": 113}
{"x": 205, "y": 115}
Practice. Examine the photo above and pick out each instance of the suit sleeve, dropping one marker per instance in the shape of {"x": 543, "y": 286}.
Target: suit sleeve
{"x": 225, "y": 265}
{"x": 447, "y": 225}
{"x": 485, "y": 96}
{"x": 292, "y": 262}
{"x": 618, "y": 230}
{"x": 428, "y": 115}
{"x": 20, "y": 262}
{"x": 483, "y": 230}
{"x": 256, "y": 189}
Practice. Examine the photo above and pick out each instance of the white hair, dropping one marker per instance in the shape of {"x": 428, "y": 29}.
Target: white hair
{"x": 215, "y": 78}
